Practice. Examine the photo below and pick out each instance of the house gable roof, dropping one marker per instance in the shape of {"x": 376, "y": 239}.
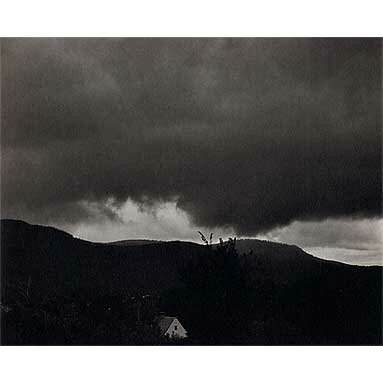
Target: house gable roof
{"x": 164, "y": 323}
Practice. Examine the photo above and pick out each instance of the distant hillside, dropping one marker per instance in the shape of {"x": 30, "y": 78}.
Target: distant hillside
{"x": 133, "y": 242}
{"x": 42, "y": 265}
{"x": 56, "y": 260}
{"x": 59, "y": 263}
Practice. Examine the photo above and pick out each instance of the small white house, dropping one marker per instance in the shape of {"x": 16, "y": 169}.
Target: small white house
{"x": 171, "y": 327}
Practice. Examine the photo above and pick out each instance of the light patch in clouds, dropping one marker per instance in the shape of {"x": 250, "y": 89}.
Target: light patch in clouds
{"x": 357, "y": 234}
{"x": 350, "y": 256}
{"x": 354, "y": 241}
{"x": 163, "y": 221}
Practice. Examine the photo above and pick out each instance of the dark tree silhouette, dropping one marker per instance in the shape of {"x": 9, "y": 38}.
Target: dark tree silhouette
{"x": 216, "y": 292}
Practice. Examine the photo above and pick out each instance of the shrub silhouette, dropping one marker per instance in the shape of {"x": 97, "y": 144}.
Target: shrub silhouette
{"x": 216, "y": 292}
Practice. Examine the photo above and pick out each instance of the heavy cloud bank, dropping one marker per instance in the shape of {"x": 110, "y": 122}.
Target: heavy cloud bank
{"x": 250, "y": 134}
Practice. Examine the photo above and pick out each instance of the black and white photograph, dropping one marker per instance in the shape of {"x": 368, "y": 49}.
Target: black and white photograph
{"x": 191, "y": 191}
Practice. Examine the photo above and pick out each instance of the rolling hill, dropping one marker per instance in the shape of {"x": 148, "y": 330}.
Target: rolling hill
{"x": 45, "y": 271}
{"x": 132, "y": 242}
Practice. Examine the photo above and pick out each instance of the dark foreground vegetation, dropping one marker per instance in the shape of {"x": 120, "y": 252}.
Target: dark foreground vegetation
{"x": 57, "y": 290}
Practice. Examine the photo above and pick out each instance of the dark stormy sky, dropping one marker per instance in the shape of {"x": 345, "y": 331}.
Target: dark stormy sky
{"x": 126, "y": 138}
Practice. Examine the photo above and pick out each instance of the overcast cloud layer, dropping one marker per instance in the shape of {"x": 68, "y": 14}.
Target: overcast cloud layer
{"x": 248, "y": 134}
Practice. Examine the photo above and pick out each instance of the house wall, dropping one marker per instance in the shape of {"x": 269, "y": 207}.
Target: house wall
{"x": 176, "y": 330}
